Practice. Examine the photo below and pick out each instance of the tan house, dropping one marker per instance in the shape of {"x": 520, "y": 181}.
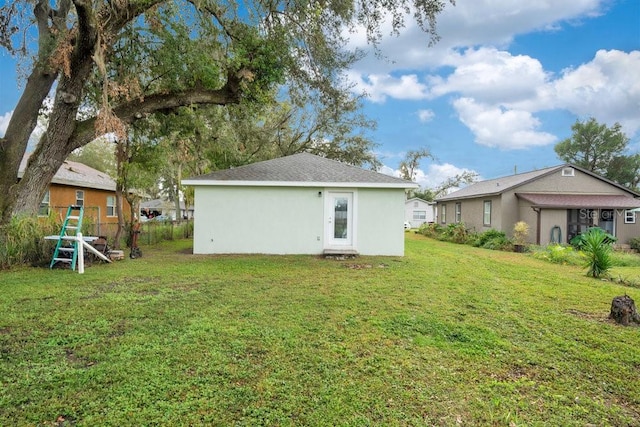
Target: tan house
{"x": 79, "y": 184}
{"x": 557, "y": 203}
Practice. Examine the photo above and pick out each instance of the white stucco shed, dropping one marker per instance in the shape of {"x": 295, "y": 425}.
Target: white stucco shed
{"x": 299, "y": 204}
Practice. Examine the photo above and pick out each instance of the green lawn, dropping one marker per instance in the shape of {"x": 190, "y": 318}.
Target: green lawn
{"x": 447, "y": 335}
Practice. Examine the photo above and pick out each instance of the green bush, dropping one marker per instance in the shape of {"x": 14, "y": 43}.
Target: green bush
{"x": 493, "y": 239}
{"x": 579, "y": 241}
{"x": 635, "y": 243}
{"x": 431, "y": 229}
{"x": 22, "y": 240}
{"x": 558, "y": 254}
{"x": 456, "y": 233}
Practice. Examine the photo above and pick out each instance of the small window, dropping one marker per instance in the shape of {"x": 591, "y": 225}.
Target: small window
{"x": 79, "y": 198}
{"x": 458, "y": 212}
{"x": 629, "y": 217}
{"x": 568, "y": 172}
{"x": 420, "y": 215}
{"x": 486, "y": 220}
{"x": 443, "y": 214}
{"x": 416, "y": 204}
{"x": 44, "y": 205}
{"x": 111, "y": 206}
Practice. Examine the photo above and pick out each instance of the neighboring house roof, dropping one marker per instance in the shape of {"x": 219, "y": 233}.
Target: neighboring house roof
{"x": 77, "y": 175}
{"x": 577, "y": 201}
{"x": 300, "y": 170}
{"x": 417, "y": 199}
{"x": 161, "y": 204}
{"x": 493, "y": 187}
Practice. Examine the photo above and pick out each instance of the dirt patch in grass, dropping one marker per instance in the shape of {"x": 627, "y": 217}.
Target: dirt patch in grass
{"x": 364, "y": 266}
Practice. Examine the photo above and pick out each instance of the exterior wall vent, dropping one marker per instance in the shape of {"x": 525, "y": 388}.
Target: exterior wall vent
{"x": 568, "y": 172}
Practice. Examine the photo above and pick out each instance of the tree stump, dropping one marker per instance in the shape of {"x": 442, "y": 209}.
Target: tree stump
{"x": 623, "y": 310}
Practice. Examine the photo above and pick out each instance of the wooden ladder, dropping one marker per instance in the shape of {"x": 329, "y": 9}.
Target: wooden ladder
{"x": 67, "y": 247}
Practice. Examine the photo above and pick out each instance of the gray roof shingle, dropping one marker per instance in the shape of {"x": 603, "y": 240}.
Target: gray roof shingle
{"x": 299, "y": 169}
{"x": 496, "y": 186}
{"x": 499, "y": 185}
{"x": 77, "y": 175}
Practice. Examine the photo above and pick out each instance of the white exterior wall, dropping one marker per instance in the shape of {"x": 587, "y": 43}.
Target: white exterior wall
{"x": 268, "y": 220}
{"x": 381, "y": 221}
{"x": 290, "y": 220}
{"x": 410, "y": 206}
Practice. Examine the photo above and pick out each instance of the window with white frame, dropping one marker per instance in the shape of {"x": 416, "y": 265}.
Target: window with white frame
{"x": 111, "y": 206}
{"x": 486, "y": 218}
{"x": 458, "y": 212}
{"x": 44, "y": 204}
{"x": 443, "y": 214}
{"x": 420, "y": 215}
{"x": 79, "y": 198}
{"x": 629, "y": 217}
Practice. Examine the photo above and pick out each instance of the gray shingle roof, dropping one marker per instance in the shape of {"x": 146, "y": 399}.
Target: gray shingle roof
{"x": 77, "y": 175}
{"x": 299, "y": 170}
{"x": 498, "y": 185}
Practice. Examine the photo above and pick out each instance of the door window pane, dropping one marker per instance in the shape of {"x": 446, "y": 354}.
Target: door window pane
{"x": 340, "y": 215}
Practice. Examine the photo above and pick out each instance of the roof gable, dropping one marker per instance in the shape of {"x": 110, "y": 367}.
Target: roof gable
{"x": 302, "y": 169}
{"x": 417, "y": 199}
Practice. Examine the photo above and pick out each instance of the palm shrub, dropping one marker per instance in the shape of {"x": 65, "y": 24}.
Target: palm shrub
{"x": 596, "y": 245}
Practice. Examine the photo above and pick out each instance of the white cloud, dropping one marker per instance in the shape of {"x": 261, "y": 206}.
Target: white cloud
{"x": 498, "y": 127}
{"x": 432, "y": 177}
{"x": 606, "y": 88}
{"x": 380, "y": 86}
{"x": 470, "y": 23}
{"x": 491, "y": 75}
{"x": 426, "y": 115}
{"x": 4, "y": 122}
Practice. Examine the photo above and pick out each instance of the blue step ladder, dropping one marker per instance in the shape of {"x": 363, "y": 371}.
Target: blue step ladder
{"x": 67, "y": 247}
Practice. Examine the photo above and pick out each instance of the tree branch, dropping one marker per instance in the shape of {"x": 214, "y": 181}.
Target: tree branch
{"x": 157, "y": 103}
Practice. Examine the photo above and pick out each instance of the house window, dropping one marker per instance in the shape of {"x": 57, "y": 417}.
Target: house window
{"x": 416, "y": 204}
{"x": 629, "y": 217}
{"x": 420, "y": 215}
{"x": 44, "y": 205}
{"x": 443, "y": 214}
{"x": 111, "y": 206}
{"x": 607, "y": 220}
{"x": 568, "y": 172}
{"x": 578, "y": 220}
{"x": 458, "y": 212}
{"x": 486, "y": 217}
{"x": 79, "y": 198}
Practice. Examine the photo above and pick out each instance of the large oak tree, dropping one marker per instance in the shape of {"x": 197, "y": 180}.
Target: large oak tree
{"x": 100, "y": 65}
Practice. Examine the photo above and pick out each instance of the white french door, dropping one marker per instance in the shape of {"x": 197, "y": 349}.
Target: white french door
{"x": 339, "y": 230}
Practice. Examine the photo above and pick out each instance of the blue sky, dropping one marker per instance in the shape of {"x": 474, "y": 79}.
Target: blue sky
{"x": 503, "y": 85}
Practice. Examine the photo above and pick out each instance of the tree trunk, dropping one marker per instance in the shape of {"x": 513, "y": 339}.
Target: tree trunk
{"x": 623, "y": 310}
